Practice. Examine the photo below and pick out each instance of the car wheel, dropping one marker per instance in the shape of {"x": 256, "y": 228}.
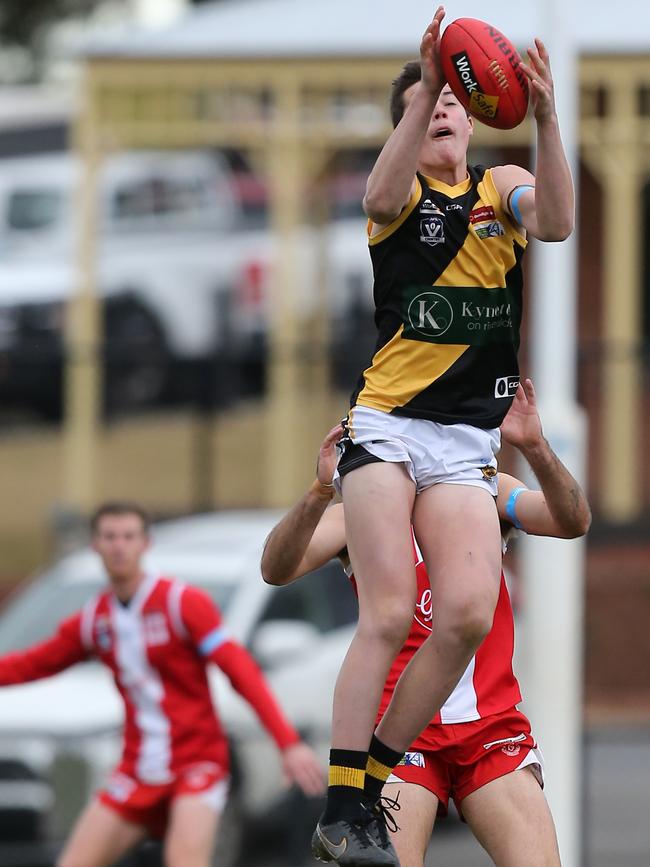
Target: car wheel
{"x": 136, "y": 360}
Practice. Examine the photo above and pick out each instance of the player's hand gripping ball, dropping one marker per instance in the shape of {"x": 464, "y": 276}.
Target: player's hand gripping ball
{"x": 483, "y": 69}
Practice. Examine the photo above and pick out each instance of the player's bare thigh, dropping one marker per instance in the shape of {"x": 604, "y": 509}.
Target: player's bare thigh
{"x": 192, "y": 831}
{"x": 457, "y": 529}
{"x": 378, "y": 501}
{"x": 415, "y": 818}
{"x": 99, "y": 838}
{"x": 511, "y": 819}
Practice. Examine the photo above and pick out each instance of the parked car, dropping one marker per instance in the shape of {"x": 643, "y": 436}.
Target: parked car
{"x": 64, "y": 732}
{"x": 182, "y": 273}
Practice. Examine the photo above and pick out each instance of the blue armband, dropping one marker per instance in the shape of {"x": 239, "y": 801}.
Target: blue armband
{"x": 510, "y": 507}
{"x": 213, "y": 640}
{"x": 514, "y": 197}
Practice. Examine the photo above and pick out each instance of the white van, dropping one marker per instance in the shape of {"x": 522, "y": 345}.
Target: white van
{"x": 182, "y": 273}
{"x": 165, "y": 255}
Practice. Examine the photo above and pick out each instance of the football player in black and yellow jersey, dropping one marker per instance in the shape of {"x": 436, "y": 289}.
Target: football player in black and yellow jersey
{"x": 446, "y": 242}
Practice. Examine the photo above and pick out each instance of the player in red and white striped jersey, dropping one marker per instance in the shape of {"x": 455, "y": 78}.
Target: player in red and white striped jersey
{"x": 479, "y": 738}
{"x": 157, "y": 637}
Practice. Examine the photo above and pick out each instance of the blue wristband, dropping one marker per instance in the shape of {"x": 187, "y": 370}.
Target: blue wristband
{"x": 515, "y": 195}
{"x": 510, "y": 507}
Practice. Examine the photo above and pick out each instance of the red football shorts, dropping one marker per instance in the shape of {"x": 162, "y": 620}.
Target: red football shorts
{"x": 463, "y": 757}
{"x": 148, "y": 805}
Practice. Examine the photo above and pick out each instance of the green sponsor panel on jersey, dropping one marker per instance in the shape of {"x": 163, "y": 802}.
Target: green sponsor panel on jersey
{"x": 469, "y": 315}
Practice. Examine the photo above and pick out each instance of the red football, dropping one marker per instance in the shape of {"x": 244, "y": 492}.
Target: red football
{"x": 483, "y": 69}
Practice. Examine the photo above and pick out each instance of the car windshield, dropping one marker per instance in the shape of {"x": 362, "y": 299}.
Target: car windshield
{"x": 36, "y": 613}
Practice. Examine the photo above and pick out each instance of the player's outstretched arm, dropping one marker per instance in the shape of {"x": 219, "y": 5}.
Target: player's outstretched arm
{"x": 203, "y": 624}
{"x": 560, "y": 508}
{"x": 47, "y": 658}
{"x": 310, "y": 534}
{"x": 544, "y": 204}
{"x": 391, "y": 181}
{"x": 299, "y": 762}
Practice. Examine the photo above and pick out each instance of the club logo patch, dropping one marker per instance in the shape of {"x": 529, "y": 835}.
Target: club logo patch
{"x": 432, "y": 231}
{"x": 103, "y": 634}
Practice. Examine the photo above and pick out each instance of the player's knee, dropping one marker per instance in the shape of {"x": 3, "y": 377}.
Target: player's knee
{"x": 389, "y": 624}
{"x": 469, "y": 623}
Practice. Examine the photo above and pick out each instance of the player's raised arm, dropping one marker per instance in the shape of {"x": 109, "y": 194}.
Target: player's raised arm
{"x": 544, "y": 204}
{"x": 560, "y": 508}
{"x": 47, "y": 658}
{"x": 310, "y": 534}
{"x": 392, "y": 179}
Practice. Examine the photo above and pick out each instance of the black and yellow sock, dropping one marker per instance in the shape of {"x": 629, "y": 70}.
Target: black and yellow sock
{"x": 381, "y": 761}
{"x": 347, "y": 773}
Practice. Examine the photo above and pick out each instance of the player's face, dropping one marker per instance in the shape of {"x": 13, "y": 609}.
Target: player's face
{"x": 447, "y": 138}
{"x": 121, "y": 540}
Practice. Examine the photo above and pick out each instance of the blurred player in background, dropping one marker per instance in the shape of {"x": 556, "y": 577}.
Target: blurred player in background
{"x": 158, "y": 636}
{"x": 446, "y": 241}
{"x": 479, "y": 749}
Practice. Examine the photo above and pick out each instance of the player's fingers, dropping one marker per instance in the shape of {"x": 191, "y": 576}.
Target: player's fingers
{"x": 317, "y": 781}
{"x": 530, "y": 391}
{"x": 538, "y": 85}
{"x": 536, "y": 63}
{"x": 309, "y": 778}
{"x": 331, "y": 438}
{"x": 528, "y": 70}
{"x": 543, "y": 52}
{"x": 335, "y": 434}
{"x": 312, "y": 785}
{"x": 539, "y": 64}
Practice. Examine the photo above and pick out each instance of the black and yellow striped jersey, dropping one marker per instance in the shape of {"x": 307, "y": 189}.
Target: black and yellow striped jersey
{"x": 448, "y": 299}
